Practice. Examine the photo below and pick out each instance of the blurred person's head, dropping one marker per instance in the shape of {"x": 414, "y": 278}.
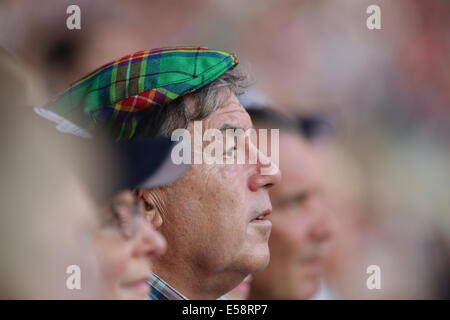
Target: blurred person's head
{"x": 47, "y": 216}
{"x": 125, "y": 255}
{"x": 65, "y": 202}
{"x": 126, "y": 241}
{"x": 212, "y": 218}
{"x": 301, "y": 225}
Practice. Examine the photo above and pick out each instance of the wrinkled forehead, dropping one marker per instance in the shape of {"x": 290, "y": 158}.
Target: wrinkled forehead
{"x": 230, "y": 114}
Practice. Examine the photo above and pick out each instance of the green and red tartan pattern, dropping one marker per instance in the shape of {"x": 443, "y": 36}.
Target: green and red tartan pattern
{"x": 116, "y": 96}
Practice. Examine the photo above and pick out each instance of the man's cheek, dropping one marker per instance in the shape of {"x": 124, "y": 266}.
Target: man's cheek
{"x": 232, "y": 173}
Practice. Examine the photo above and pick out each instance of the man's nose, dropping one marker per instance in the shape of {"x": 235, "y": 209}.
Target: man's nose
{"x": 268, "y": 174}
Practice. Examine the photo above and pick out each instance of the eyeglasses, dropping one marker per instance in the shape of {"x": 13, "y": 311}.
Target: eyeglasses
{"x": 127, "y": 215}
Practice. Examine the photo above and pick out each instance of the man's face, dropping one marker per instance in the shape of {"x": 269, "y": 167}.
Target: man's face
{"x": 301, "y": 225}
{"x": 212, "y": 209}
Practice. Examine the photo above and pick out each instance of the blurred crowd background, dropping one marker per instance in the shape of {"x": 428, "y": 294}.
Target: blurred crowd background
{"x": 386, "y": 93}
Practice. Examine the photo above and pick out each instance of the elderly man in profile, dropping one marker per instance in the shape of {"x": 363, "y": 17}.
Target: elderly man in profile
{"x": 213, "y": 218}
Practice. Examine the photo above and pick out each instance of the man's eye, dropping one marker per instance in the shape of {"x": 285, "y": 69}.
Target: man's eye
{"x": 231, "y": 151}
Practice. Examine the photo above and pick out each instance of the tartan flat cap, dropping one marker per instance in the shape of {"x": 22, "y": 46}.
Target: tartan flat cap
{"x": 118, "y": 95}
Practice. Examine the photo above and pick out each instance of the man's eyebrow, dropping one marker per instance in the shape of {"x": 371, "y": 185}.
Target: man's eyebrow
{"x": 229, "y": 126}
{"x": 232, "y": 127}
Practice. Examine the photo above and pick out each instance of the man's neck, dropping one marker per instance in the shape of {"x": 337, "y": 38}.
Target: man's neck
{"x": 195, "y": 284}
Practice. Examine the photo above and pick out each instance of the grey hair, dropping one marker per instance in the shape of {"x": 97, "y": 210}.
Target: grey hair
{"x": 176, "y": 114}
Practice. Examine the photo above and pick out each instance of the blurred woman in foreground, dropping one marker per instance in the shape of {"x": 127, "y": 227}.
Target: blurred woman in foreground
{"x": 65, "y": 203}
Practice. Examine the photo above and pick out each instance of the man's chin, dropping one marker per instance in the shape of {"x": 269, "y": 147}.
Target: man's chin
{"x": 259, "y": 259}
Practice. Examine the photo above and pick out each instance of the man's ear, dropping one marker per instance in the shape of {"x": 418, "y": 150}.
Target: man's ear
{"x": 151, "y": 212}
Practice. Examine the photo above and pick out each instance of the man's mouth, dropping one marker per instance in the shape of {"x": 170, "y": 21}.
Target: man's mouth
{"x": 262, "y": 216}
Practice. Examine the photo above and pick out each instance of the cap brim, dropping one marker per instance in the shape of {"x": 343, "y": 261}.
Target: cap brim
{"x": 147, "y": 163}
